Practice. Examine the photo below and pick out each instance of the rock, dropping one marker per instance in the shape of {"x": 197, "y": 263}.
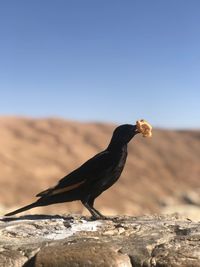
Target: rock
{"x": 11, "y": 258}
{"x": 186, "y": 210}
{"x": 191, "y": 197}
{"x": 56, "y": 241}
{"x": 82, "y": 253}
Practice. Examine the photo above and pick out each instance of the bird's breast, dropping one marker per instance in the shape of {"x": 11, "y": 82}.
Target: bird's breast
{"x": 116, "y": 169}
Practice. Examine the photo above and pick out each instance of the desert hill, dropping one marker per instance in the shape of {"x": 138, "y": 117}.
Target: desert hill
{"x": 35, "y": 153}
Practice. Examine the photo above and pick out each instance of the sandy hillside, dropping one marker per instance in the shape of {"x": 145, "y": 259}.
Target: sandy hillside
{"x": 35, "y": 153}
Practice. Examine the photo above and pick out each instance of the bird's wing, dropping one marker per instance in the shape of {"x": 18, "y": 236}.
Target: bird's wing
{"x": 88, "y": 171}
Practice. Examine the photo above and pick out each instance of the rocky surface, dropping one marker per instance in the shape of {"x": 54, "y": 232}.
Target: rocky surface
{"x": 58, "y": 241}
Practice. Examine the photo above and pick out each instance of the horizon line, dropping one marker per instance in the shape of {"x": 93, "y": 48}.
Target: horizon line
{"x": 59, "y": 117}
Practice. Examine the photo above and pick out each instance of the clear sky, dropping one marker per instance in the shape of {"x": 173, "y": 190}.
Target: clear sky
{"x": 101, "y": 60}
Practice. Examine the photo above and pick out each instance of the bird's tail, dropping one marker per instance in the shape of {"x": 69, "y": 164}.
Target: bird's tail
{"x": 30, "y": 206}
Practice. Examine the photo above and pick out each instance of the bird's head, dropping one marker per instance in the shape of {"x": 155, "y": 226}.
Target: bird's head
{"x": 124, "y": 133}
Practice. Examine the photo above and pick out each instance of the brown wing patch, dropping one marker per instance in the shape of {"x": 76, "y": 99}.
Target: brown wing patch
{"x": 43, "y": 193}
{"x": 66, "y": 189}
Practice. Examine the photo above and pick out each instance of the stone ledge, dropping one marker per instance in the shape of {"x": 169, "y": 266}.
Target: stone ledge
{"x": 58, "y": 241}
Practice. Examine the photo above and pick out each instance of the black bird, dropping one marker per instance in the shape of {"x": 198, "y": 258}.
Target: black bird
{"x": 96, "y": 175}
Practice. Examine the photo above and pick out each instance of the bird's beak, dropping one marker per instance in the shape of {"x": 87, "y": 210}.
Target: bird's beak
{"x": 136, "y": 131}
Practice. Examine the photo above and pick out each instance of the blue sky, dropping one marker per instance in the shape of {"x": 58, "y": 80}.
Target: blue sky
{"x": 105, "y": 60}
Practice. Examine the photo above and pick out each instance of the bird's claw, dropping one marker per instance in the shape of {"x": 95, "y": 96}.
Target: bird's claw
{"x": 102, "y": 217}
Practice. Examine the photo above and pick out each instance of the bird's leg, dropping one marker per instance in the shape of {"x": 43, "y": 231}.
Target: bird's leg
{"x": 91, "y": 203}
{"x": 100, "y": 214}
{"x": 95, "y": 214}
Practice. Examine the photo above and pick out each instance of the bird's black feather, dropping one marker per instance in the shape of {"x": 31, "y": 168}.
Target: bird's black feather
{"x": 93, "y": 177}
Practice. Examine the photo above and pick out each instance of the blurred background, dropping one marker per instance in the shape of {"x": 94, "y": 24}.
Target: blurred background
{"x": 70, "y": 71}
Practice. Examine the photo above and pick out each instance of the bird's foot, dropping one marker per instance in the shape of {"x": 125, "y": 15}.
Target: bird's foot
{"x": 99, "y": 217}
